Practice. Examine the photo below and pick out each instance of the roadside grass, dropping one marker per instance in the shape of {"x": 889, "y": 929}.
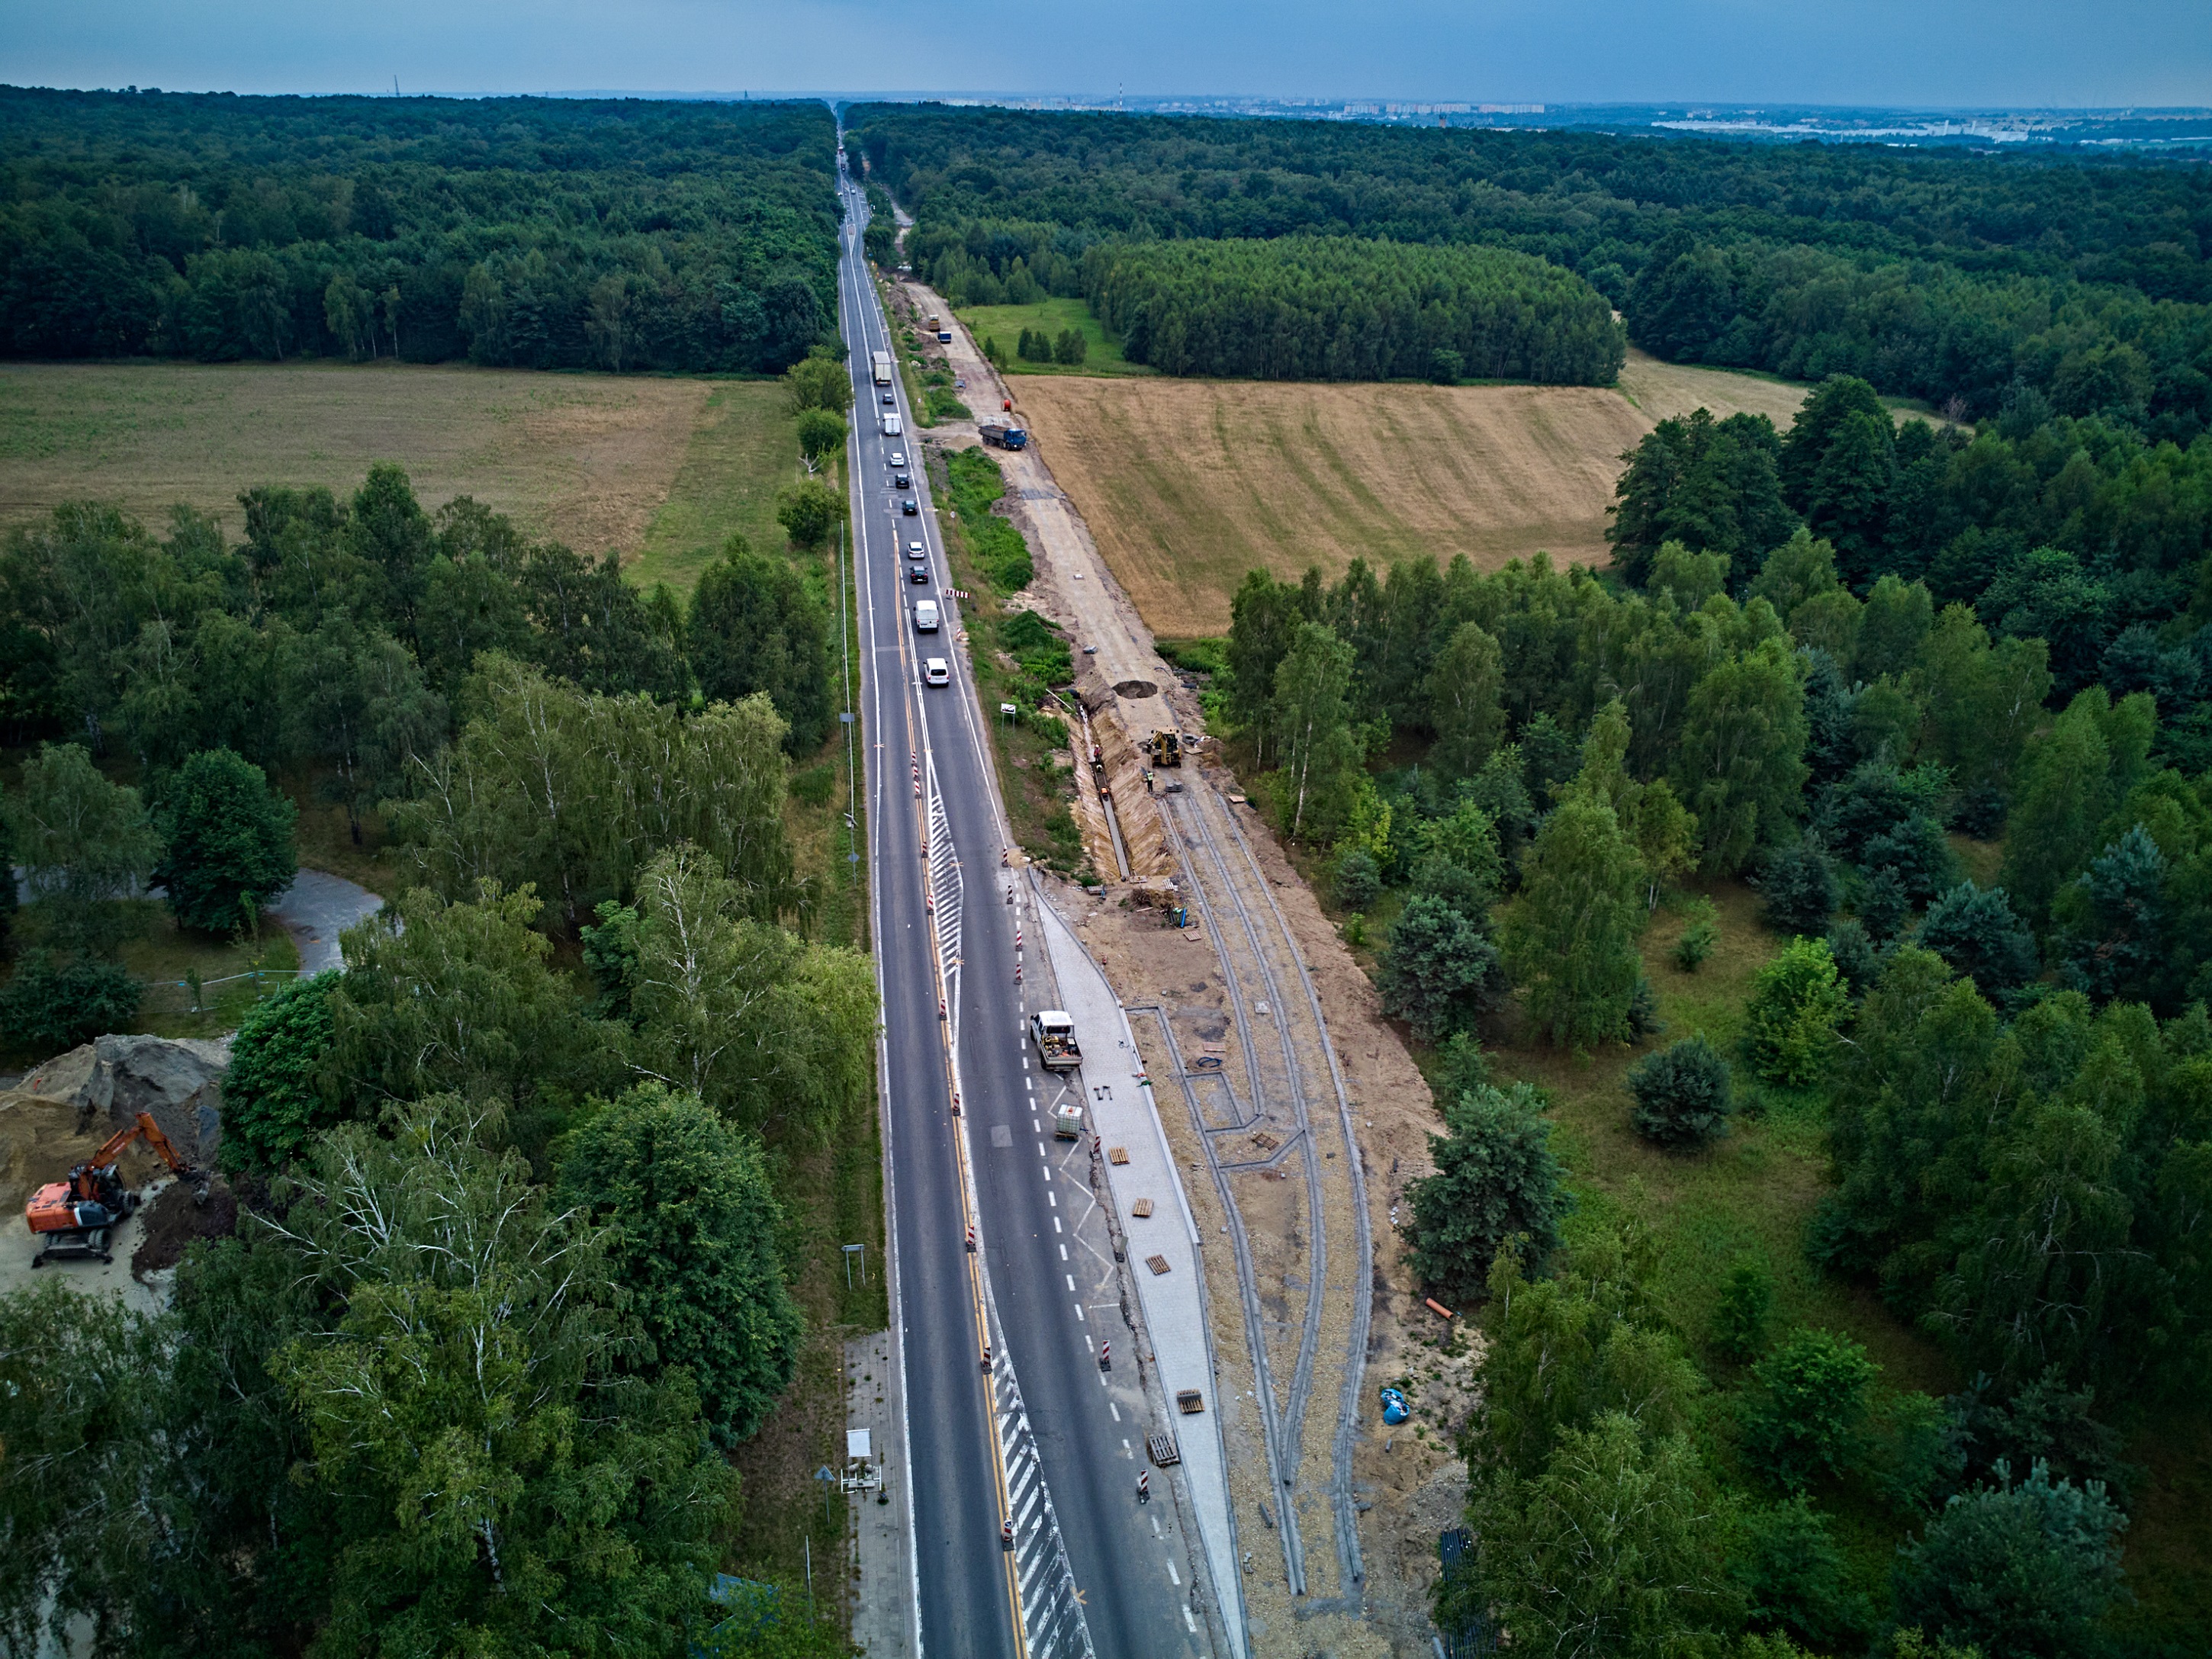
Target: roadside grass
{"x": 1032, "y": 752}
{"x": 744, "y": 448}
{"x": 832, "y": 1196}
{"x": 1004, "y": 324}
{"x": 166, "y": 953}
{"x": 826, "y": 822}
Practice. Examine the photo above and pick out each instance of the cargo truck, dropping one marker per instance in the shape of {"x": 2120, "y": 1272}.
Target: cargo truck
{"x": 1055, "y": 1033}
{"x": 882, "y": 360}
{"x": 1000, "y": 436}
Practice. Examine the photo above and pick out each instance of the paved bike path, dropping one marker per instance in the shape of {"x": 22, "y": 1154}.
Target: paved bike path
{"x": 1123, "y": 1115}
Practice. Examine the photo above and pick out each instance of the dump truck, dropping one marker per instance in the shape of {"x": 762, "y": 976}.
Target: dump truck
{"x": 1067, "y": 1120}
{"x": 1055, "y": 1033}
{"x": 999, "y": 435}
{"x": 882, "y": 360}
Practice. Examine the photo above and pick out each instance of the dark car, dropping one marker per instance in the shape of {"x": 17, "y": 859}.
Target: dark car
{"x": 918, "y": 571}
{"x": 900, "y": 481}
{"x": 889, "y": 399}
{"x": 908, "y": 508}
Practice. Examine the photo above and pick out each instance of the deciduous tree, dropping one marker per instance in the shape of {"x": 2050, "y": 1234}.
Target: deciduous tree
{"x": 1790, "y": 1022}
{"x": 1314, "y": 736}
{"x": 1569, "y": 939}
{"x": 1741, "y": 766}
{"x": 227, "y": 843}
{"x": 281, "y": 1090}
{"x": 692, "y": 1231}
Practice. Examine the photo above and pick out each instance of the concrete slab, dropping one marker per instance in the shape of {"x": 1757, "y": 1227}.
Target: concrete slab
{"x": 315, "y": 909}
{"x": 1122, "y": 1115}
{"x": 884, "y": 1600}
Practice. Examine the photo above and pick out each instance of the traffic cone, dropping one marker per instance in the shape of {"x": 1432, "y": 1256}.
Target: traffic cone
{"x": 1006, "y": 1534}
{"x": 1105, "y": 1355}
{"x": 1145, "y": 1488}
{"x": 986, "y": 1356}
{"x": 971, "y": 1239}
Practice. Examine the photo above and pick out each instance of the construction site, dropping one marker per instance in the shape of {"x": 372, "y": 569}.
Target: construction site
{"x": 1295, "y": 1114}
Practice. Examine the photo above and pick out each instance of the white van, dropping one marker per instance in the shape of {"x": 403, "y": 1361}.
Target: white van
{"x": 924, "y": 615}
{"x": 892, "y": 427}
{"x": 935, "y": 670}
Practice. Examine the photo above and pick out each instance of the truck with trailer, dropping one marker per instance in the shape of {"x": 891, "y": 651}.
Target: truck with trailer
{"x": 1054, "y": 1032}
{"x": 882, "y": 360}
{"x": 1000, "y": 436}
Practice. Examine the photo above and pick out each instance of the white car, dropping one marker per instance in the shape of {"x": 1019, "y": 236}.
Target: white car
{"x": 925, "y": 617}
{"x": 935, "y": 670}
{"x": 916, "y": 551}
{"x": 898, "y": 458}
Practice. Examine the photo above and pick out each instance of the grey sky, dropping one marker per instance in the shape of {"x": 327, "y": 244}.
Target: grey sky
{"x": 1945, "y": 53}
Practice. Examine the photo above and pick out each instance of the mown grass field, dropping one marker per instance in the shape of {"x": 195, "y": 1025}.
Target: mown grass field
{"x": 742, "y": 448}
{"x": 1004, "y": 324}
{"x": 661, "y": 469}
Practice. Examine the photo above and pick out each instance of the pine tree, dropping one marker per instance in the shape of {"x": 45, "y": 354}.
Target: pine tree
{"x": 1496, "y": 1179}
{"x": 2114, "y": 919}
{"x": 1848, "y": 499}
{"x": 1974, "y": 930}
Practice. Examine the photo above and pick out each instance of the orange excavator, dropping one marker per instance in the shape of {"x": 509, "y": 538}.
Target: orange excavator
{"x": 77, "y": 1217}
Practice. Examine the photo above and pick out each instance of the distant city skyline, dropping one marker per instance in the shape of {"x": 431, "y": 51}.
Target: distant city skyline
{"x": 1894, "y": 54}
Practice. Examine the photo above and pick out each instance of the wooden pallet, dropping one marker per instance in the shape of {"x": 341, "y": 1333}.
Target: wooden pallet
{"x": 1159, "y": 1264}
{"x": 1191, "y": 1401}
{"x": 1163, "y": 1449}
{"x": 1117, "y": 1154}
{"x": 1141, "y": 1208}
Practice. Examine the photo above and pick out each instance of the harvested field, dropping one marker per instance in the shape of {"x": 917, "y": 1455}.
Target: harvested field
{"x": 594, "y": 460}
{"x": 1188, "y": 484}
{"x": 1660, "y": 390}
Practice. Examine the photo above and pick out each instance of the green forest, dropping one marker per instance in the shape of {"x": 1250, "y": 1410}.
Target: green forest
{"x": 1975, "y": 804}
{"x": 525, "y": 233}
{"x": 535, "y": 1188}
{"x": 2068, "y": 282}
{"x": 1341, "y": 309}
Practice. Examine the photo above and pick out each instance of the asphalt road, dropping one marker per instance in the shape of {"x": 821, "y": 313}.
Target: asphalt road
{"x": 1028, "y": 1196}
